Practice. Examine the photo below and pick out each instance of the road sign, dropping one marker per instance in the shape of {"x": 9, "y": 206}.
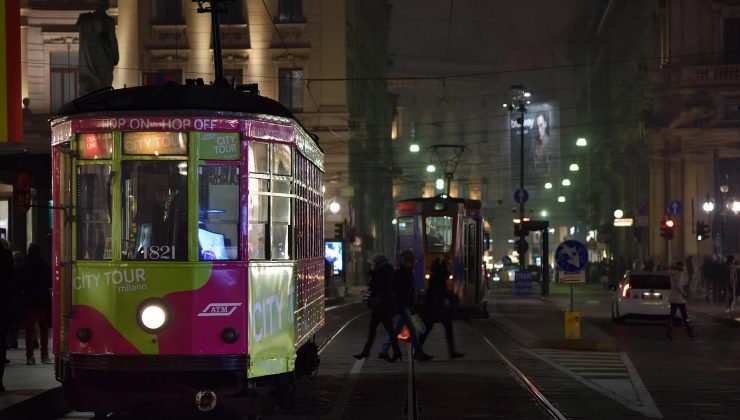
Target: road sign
{"x": 643, "y": 209}
{"x": 570, "y": 278}
{"x": 571, "y": 256}
{"x": 521, "y": 196}
{"x": 674, "y": 207}
{"x": 523, "y": 282}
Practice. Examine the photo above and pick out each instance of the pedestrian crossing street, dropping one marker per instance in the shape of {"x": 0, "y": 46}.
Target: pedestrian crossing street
{"x": 609, "y": 373}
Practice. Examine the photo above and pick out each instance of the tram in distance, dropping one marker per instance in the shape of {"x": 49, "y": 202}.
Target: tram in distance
{"x": 187, "y": 250}
{"x": 450, "y": 227}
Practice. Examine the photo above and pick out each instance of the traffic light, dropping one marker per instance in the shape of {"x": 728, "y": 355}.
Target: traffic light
{"x": 667, "y": 227}
{"x": 702, "y": 231}
{"x": 339, "y": 230}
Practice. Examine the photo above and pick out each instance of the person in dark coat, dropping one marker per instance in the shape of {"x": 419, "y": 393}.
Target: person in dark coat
{"x": 437, "y": 301}
{"x": 404, "y": 291}
{"x": 381, "y": 285}
{"x": 7, "y": 272}
{"x": 36, "y": 288}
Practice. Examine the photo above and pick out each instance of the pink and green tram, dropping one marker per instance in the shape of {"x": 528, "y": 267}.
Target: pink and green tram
{"x": 187, "y": 250}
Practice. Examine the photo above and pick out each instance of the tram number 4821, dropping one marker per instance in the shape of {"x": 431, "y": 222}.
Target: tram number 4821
{"x": 154, "y": 252}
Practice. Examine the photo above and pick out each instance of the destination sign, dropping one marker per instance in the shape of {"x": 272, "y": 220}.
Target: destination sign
{"x": 155, "y": 143}
{"x": 159, "y": 123}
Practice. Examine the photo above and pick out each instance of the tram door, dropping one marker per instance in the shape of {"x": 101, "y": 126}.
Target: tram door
{"x": 471, "y": 261}
{"x": 64, "y": 230}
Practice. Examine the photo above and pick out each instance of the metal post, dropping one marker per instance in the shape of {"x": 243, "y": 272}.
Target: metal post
{"x": 545, "y": 264}
{"x": 521, "y": 185}
{"x": 571, "y": 297}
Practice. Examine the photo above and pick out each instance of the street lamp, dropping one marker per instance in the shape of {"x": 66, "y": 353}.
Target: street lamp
{"x": 519, "y": 103}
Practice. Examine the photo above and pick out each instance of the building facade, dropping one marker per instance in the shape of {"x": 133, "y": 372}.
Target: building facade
{"x": 295, "y": 50}
{"x": 661, "y": 106}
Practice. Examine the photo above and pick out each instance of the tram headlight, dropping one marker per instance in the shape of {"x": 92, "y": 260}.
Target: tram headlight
{"x": 153, "y": 315}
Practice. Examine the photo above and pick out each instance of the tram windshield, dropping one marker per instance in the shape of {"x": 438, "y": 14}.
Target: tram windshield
{"x": 438, "y": 233}
{"x": 154, "y": 210}
{"x": 218, "y": 212}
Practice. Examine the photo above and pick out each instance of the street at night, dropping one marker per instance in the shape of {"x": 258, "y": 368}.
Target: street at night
{"x": 350, "y": 209}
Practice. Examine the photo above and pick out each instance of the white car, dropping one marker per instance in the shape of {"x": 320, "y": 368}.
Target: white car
{"x": 642, "y": 295}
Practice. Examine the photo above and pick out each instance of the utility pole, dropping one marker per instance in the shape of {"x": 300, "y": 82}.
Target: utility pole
{"x": 519, "y": 103}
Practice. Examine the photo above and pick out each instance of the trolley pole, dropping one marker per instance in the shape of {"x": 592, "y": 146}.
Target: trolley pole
{"x": 217, "y": 6}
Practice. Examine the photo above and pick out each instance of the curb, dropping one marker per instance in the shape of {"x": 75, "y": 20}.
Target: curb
{"x": 50, "y": 404}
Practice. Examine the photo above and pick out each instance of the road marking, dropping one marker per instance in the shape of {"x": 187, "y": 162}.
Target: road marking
{"x": 611, "y": 374}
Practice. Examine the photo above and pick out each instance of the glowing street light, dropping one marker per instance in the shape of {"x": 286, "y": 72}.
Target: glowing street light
{"x": 548, "y": 185}
{"x": 566, "y": 182}
{"x": 581, "y": 142}
{"x": 618, "y": 213}
{"x": 414, "y": 148}
{"x": 561, "y": 199}
{"x": 334, "y": 207}
{"x": 574, "y": 167}
{"x": 431, "y": 168}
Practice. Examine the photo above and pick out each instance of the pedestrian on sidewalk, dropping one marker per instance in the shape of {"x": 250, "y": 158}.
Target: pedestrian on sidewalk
{"x": 17, "y": 317}
{"x": 7, "y": 271}
{"x": 36, "y": 287}
{"x": 381, "y": 286}
{"x": 437, "y": 303}
{"x": 730, "y": 282}
{"x": 405, "y": 293}
{"x": 677, "y": 299}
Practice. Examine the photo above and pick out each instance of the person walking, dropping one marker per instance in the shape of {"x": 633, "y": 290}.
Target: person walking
{"x": 436, "y": 302}
{"x": 7, "y": 272}
{"x": 381, "y": 286}
{"x": 677, "y": 299}
{"x": 730, "y": 282}
{"x": 404, "y": 292}
{"x": 36, "y": 288}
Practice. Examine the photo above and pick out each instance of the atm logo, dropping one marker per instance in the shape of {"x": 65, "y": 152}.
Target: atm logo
{"x": 219, "y": 309}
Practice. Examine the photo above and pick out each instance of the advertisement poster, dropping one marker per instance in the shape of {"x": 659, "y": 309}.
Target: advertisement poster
{"x": 542, "y": 161}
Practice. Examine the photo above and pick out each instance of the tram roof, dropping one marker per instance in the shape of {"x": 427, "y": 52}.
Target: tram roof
{"x": 469, "y": 203}
{"x": 174, "y": 96}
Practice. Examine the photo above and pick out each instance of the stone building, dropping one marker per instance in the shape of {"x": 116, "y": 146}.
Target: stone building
{"x": 296, "y": 51}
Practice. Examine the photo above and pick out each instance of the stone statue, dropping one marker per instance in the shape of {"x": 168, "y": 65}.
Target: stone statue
{"x": 98, "y": 49}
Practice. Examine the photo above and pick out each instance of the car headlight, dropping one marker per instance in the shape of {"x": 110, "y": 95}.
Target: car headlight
{"x": 153, "y": 315}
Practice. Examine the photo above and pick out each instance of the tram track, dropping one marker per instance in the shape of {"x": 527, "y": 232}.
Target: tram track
{"x": 413, "y": 409}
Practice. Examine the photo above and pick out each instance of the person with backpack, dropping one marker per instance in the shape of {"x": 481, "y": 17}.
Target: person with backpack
{"x": 436, "y": 302}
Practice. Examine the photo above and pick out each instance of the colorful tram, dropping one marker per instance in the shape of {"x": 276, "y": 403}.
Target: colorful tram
{"x": 453, "y": 227}
{"x": 187, "y": 250}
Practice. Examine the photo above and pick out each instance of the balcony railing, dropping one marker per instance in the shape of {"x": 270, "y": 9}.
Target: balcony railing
{"x": 714, "y": 74}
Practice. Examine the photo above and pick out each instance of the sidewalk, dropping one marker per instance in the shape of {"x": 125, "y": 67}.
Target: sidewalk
{"x": 29, "y": 389}
{"x": 540, "y": 323}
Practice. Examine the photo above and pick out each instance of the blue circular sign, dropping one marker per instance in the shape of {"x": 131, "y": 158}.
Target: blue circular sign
{"x": 571, "y": 256}
{"x": 521, "y": 196}
{"x": 674, "y": 207}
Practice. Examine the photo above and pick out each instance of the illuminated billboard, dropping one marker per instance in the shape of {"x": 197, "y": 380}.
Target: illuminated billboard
{"x": 334, "y": 253}
{"x": 542, "y": 161}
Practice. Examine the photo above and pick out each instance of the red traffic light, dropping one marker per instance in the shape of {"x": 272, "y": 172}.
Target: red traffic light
{"x": 669, "y": 223}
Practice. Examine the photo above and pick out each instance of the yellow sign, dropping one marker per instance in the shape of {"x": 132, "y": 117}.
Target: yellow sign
{"x": 572, "y": 325}
{"x": 155, "y": 143}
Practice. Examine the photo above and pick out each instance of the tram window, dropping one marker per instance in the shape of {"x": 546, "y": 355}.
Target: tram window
{"x": 281, "y": 160}
{"x": 96, "y": 146}
{"x": 218, "y": 212}
{"x": 279, "y": 240}
{"x": 157, "y": 143}
{"x": 439, "y": 233}
{"x": 405, "y": 232}
{"x": 94, "y": 212}
{"x": 258, "y": 162}
{"x": 154, "y": 201}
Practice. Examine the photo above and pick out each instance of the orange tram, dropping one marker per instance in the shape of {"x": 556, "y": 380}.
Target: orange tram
{"x": 450, "y": 227}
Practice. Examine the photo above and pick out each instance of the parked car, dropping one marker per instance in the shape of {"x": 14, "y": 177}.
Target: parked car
{"x": 641, "y": 295}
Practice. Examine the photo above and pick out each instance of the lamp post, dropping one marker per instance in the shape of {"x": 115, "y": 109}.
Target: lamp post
{"x": 519, "y": 102}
